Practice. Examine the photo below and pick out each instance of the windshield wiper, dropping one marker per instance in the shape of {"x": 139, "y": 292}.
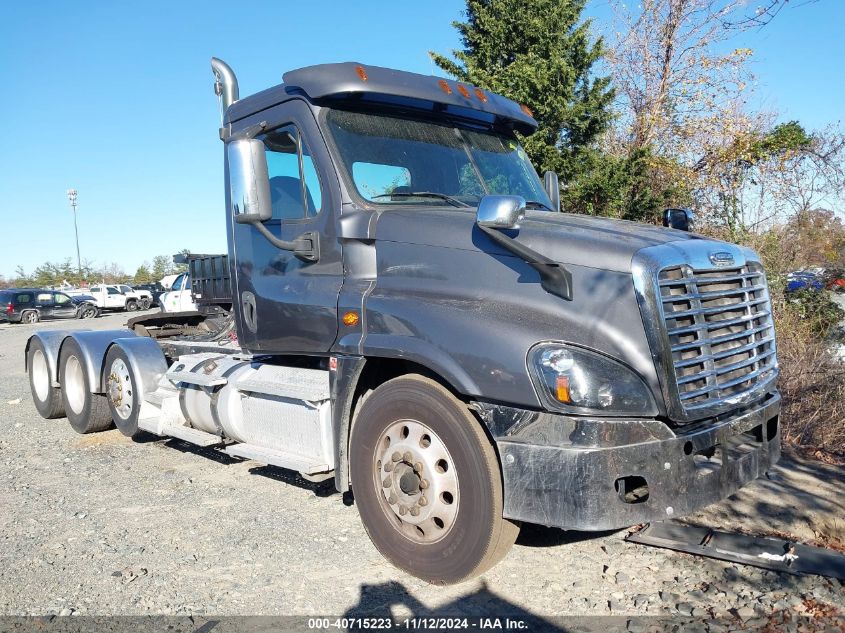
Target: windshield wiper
{"x": 537, "y": 203}
{"x": 423, "y": 194}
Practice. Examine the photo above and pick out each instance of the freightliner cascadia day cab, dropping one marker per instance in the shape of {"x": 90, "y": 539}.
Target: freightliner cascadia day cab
{"x": 410, "y": 315}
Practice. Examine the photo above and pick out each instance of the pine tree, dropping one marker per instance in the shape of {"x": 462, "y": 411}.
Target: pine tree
{"x": 540, "y": 54}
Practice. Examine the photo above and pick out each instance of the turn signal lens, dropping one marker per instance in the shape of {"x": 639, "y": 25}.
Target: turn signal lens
{"x": 351, "y": 318}
{"x": 362, "y": 74}
{"x": 562, "y": 389}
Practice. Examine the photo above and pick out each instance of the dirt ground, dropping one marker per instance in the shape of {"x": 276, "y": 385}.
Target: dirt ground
{"x": 103, "y": 525}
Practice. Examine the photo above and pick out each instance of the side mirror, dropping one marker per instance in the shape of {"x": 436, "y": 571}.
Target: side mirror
{"x": 677, "y": 219}
{"x": 249, "y": 183}
{"x": 552, "y": 187}
{"x": 500, "y": 212}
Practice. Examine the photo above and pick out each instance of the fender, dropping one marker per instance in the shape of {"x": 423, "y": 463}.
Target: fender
{"x": 146, "y": 362}
{"x": 52, "y": 342}
{"x": 94, "y": 346}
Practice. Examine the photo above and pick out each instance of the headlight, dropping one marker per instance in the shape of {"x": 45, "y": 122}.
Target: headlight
{"x": 580, "y": 381}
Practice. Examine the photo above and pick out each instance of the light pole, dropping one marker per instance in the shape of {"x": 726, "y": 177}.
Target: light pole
{"x": 71, "y": 195}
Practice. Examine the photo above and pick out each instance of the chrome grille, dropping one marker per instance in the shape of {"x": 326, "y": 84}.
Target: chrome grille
{"x": 720, "y": 332}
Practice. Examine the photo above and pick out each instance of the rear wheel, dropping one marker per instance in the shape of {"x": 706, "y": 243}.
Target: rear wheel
{"x": 427, "y": 482}
{"x": 30, "y": 316}
{"x": 123, "y": 396}
{"x": 87, "y": 412}
{"x": 47, "y": 398}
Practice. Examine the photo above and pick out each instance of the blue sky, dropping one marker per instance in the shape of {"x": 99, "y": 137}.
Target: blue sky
{"x": 115, "y": 100}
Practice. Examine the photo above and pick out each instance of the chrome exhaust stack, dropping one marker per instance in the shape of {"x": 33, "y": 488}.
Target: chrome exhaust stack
{"x": 225, "y": 84}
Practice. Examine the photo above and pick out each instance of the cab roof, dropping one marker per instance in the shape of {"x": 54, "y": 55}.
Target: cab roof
{"x": 353, "y": 82}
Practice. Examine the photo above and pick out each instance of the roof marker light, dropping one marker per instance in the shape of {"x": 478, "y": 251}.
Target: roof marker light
{"x": 527, "y": 110}
{"x": 362, "y": 74}
{"x": 480, "y": 94}
{"x": 463, "y": 90}
{"x": 444, "y": 86}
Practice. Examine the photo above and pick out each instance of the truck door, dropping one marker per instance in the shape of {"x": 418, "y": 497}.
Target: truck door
{"x": 287, "y": 303}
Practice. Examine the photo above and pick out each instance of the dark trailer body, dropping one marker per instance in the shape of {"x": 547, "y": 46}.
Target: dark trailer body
{"x": 416, "y": 319}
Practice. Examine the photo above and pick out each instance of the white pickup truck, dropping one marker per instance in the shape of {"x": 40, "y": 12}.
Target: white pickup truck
{"x": 118, "y": 297}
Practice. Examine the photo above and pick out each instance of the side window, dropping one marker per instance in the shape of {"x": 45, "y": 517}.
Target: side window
{"x": 125, "y": 289}
{"x": 62, "y": 299}
{"x": 94, "y": 289}
{"x": 294, "y": 185}
{"x": 177, "y": 283}
{"x": 113, "y": 291}
{"x": 44, "y": 298}
{"x": 23, "y": 298}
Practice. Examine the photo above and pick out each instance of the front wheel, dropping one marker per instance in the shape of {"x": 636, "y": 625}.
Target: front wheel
{"x": 131, "y": 305}
{"x": 88, "y": 312}
{"x": 427, "y": 482}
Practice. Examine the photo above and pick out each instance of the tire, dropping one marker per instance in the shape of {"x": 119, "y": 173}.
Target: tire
{"x": 88, "y": 312}
{"x": 144, "y": 304}
{"x": 47, "y": 398}
{"x": 30, "y": 316}
{"x": 459, "y": 531}
{"x": 122, "y": 395}
{"x": 87, "y": 412}
{"x": 131, "y": 305}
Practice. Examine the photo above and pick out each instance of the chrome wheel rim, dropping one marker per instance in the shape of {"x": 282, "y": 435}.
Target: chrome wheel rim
{"x": 120, "y": 388}
{"x": 74, "y": 384}
{"x": 40, "y": 375}
{"x": 417, "y": 481}
{"x": 30, "y": 317}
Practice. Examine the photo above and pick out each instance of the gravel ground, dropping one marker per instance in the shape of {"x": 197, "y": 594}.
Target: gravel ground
{"x": 104, "y": 525}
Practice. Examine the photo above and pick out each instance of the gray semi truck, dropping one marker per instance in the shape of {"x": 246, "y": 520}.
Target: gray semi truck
{"x": 407, "y": 312}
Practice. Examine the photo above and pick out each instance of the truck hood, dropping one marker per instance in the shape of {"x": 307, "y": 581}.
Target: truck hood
{"x": 581, "y": 240}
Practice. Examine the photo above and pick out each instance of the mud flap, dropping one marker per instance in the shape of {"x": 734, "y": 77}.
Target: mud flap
{"x": 768, "y": 553}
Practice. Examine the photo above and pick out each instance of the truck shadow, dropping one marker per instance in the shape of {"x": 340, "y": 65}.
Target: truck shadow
{"x": 380, "y": 600}
{"x": 531, "y": 535}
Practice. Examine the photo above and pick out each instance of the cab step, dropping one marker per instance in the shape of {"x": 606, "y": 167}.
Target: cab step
{"x": 273, "y": 457}
{"x": 185, "y": 433}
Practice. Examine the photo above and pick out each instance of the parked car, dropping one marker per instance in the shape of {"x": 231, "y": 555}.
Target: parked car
{"x": 116, "y": 297}
{"x": 155, "y": 290}
{"x": 178, "y": 298}
{"x": 30, "y": 305}
{"x": 145, "y": 296}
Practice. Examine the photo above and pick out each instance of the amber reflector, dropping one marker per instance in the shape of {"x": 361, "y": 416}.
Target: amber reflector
{"x": 526, "y": 109}
{"x": 562, "y": 388}
{"x": 361, "y": 72}
{"x": 444, "y": 86}
{"x": 350, "y": 318}
{"x": 480, "y": 94}
{"x": 463, "y": 90}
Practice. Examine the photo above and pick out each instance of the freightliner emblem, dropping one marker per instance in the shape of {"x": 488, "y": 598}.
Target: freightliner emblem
{"x": 721, "y": 258}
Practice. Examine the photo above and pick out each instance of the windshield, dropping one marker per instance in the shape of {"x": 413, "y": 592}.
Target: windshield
{"x": 404, "y": 161}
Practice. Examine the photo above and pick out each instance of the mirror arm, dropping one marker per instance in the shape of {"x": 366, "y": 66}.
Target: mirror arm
{"x": 306, "y": 246}
{"x": 554, "y": 278}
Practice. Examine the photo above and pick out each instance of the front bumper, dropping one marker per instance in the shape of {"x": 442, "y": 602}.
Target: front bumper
{"x": 598, "y": 474}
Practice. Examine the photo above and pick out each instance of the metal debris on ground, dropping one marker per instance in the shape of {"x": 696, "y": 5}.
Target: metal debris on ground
{"x": 768, "y": 553}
